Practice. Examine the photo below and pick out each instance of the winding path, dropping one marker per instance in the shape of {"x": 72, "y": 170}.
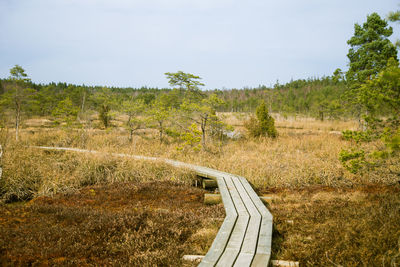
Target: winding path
{"x": 244, "y": 239}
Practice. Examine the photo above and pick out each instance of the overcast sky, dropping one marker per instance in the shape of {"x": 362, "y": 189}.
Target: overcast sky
{"x": 132, "y": 43}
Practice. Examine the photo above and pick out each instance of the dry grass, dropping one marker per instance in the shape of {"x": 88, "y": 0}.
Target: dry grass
{"x": 332, "y": 227}
{"x": 294, "y": 123}
{"x": 305, "y": 153}
{"x": 30, "y": 172}
{"x": 348, "y": 220}
{"x": 124, "y": 224}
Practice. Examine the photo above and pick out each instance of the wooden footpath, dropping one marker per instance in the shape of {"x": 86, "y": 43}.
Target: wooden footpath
{"x": 244, "y": 238}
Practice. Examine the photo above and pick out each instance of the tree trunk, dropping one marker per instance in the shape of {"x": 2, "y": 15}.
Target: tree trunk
{"x": 1, "y": 154}
{"x": 83, "y": 101}
{"x": 211, "y": 199}
{"x": 321, "y": 115}
{"x": 130, "y": 135}
{"x": 209, "y": 183}
{"x": 17, "y": 119}
{"x": 203, "y": 131}
{"x": 128, "y": 123}
{"x": 161, "y": 131}
{"x": 83, "y": 105}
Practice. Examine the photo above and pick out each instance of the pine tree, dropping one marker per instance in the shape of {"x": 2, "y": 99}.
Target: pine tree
{"x": 370, "y": 49}
{"x": 263, "y": 124}
{"x": 17, "y": 96}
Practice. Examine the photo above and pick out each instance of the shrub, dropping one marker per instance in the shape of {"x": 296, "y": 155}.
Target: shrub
{"x": 261, "y": 125}
{"x": 104, "y": 115}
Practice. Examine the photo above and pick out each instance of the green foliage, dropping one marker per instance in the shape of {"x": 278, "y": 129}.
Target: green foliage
{"x": 17, "y": 95}
{"x": 263, "y": 124}
{"x": 383, "y": 92}
{"x": 357, "y": 159}
{"x": 18, "y": 74}
{"x": 385, "y": 154}
{"x": 202, "y": 113}
{"x": 337, "y": 76}
{"x": 219, "y": 129}
{"x": 353, "y": 160}
{"x": 66, "y": 111}
{"x": 195, "y": 108}
{"x": 295, "y": 97}
{"x": 253, "y": 127}
{"x": 315, "y": 97}
{"x": 160, "y": 111}
{"x": 134, "y": 108}
{"x": 266, "y": 122}
{"x": 370, "y": 52}
{"x": 357, "y": 136}
{"x": 394, "y": 16}
{"x": 104, "y": 115}
{"x": 191, "y": 138}
{"x": 185, "y": 81}
{"x": 370, "y": 49}
{"x": 380, "y": 95}
{"x": 391, "y": 139}
{"x": 105, "y": 100}
{"x": 147, "y": 97}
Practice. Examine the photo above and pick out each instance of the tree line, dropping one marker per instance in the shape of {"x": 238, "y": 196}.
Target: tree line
{"x": 184, "y": 112}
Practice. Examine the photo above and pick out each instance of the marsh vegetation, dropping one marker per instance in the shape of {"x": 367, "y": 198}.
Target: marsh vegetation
{"x": 324, "y": 150}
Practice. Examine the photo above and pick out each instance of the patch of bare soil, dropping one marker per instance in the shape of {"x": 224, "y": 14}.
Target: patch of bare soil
{"x": 124, "y": 224}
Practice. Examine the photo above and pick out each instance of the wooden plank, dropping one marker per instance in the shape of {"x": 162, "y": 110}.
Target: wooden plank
{"x": 249, "y": 246}
{"x": 263, "y": 251}
{"x": 244, "y": 259}
{"x": 220, "y": 242}
{"x": 261, "y": 259}
{"x": 239, "y": 231}
{"x": 255, "y": 198}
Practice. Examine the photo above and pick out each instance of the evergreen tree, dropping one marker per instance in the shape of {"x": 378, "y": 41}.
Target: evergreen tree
{"x": 17, "y": 95}
{"x": 263, "y": 124}
{"x": 369, "y": 53}
{"x": 65, "y": 111}
{"x": 187, "y": 84}
{"x": 104, "y": 100}
{"x": 394, "y": 16}
{"x": 379, "y": 94}
{"x": 370, "y": 49}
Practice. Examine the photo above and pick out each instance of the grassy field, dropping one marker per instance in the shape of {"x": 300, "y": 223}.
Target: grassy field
{"x": 324, "y": 215}
{"x": 305, "y": 153}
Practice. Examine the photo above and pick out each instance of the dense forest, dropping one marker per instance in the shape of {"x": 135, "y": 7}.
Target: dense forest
{"x": 317, "y": 97}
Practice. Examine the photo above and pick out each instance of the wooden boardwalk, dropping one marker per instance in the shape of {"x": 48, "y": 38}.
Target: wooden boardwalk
{"x": 245, "y": 236}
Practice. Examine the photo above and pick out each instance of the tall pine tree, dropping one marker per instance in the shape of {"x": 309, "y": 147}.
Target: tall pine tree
{"x": 370, "y": 49}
